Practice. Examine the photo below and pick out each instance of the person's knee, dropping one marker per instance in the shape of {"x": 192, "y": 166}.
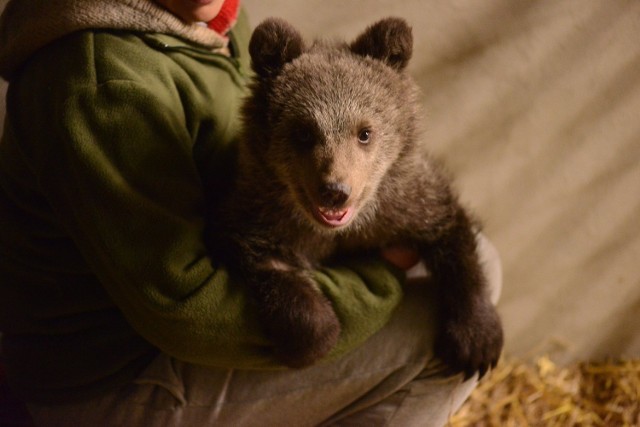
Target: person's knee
{"x": 492, "y": 266}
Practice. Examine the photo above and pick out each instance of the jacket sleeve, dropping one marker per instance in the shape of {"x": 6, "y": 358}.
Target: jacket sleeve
{"x": 119, "y": 173}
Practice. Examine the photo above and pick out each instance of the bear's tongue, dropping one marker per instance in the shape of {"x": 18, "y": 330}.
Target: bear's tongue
{"x": 333, "y": 216}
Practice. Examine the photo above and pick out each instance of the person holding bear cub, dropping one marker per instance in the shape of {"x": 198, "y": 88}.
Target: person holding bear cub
{"x": 120, "y": 114}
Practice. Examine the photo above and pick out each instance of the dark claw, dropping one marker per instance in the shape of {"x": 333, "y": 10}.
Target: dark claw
{"x": 472, "y": 344}
{"x": 482, "y": 371}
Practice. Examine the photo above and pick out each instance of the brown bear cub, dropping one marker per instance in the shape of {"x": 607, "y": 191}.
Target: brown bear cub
{"x": 331, "y": 162}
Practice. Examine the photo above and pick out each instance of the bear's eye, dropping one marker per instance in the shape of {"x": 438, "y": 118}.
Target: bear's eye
{"x": 364, "y": 136}
{"x": 303, "y": 136}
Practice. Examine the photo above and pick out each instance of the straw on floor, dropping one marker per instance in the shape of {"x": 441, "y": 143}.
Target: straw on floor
{"x": 540, "y": 393}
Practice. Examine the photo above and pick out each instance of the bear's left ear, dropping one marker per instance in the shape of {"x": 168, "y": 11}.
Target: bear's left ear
{"x": 274, "y": 43}
{"x": 389, "y": 40}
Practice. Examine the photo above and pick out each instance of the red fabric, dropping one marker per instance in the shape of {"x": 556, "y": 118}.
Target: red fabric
{"x": 226, "y": 17}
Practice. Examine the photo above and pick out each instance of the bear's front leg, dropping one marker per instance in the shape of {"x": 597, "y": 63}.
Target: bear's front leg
{"x": 470, "y": 338}
{"x": 296, "y": 316}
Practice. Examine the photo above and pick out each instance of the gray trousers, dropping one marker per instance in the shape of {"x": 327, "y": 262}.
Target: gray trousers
{"x": 393, "y": 379}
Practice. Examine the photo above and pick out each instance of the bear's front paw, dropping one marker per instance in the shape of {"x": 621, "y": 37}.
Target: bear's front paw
{"x": 473, "y": 342}
{"x": 312, "y": 333}
{"x": 301, "y": 322}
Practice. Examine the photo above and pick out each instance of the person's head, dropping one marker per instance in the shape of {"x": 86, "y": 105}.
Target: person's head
{"x": 193, "y": 10}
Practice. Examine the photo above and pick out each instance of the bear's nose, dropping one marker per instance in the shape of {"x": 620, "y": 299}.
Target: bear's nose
{"x": 334, "y": 194}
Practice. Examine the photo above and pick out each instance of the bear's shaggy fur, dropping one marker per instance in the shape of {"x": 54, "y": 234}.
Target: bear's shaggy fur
{"x": 331, "y": 161}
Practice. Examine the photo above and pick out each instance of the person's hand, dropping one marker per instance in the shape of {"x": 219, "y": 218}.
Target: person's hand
{"x": 401, "y": 256}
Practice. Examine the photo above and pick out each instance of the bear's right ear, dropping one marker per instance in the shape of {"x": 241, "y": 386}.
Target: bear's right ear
{"x": 389, "y": 40}
{"x": 274, "y": 43}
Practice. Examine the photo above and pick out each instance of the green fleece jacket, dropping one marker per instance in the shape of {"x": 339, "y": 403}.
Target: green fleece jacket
{"x": 111, "y": 131}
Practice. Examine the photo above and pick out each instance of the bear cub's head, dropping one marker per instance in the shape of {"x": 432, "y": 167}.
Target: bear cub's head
{"x": 331, "y": 121}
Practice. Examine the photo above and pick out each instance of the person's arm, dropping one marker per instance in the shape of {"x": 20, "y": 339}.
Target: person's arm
{"x": 120, "y": 176}
{"x": 119, "y": 173}
{"x": 364, "y": 292}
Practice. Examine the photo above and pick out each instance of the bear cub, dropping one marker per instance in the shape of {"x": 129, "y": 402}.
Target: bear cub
{"x": 330, "y": 161}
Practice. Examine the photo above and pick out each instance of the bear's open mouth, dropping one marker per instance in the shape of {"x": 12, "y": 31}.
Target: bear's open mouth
{"x": 334, "y": 217}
